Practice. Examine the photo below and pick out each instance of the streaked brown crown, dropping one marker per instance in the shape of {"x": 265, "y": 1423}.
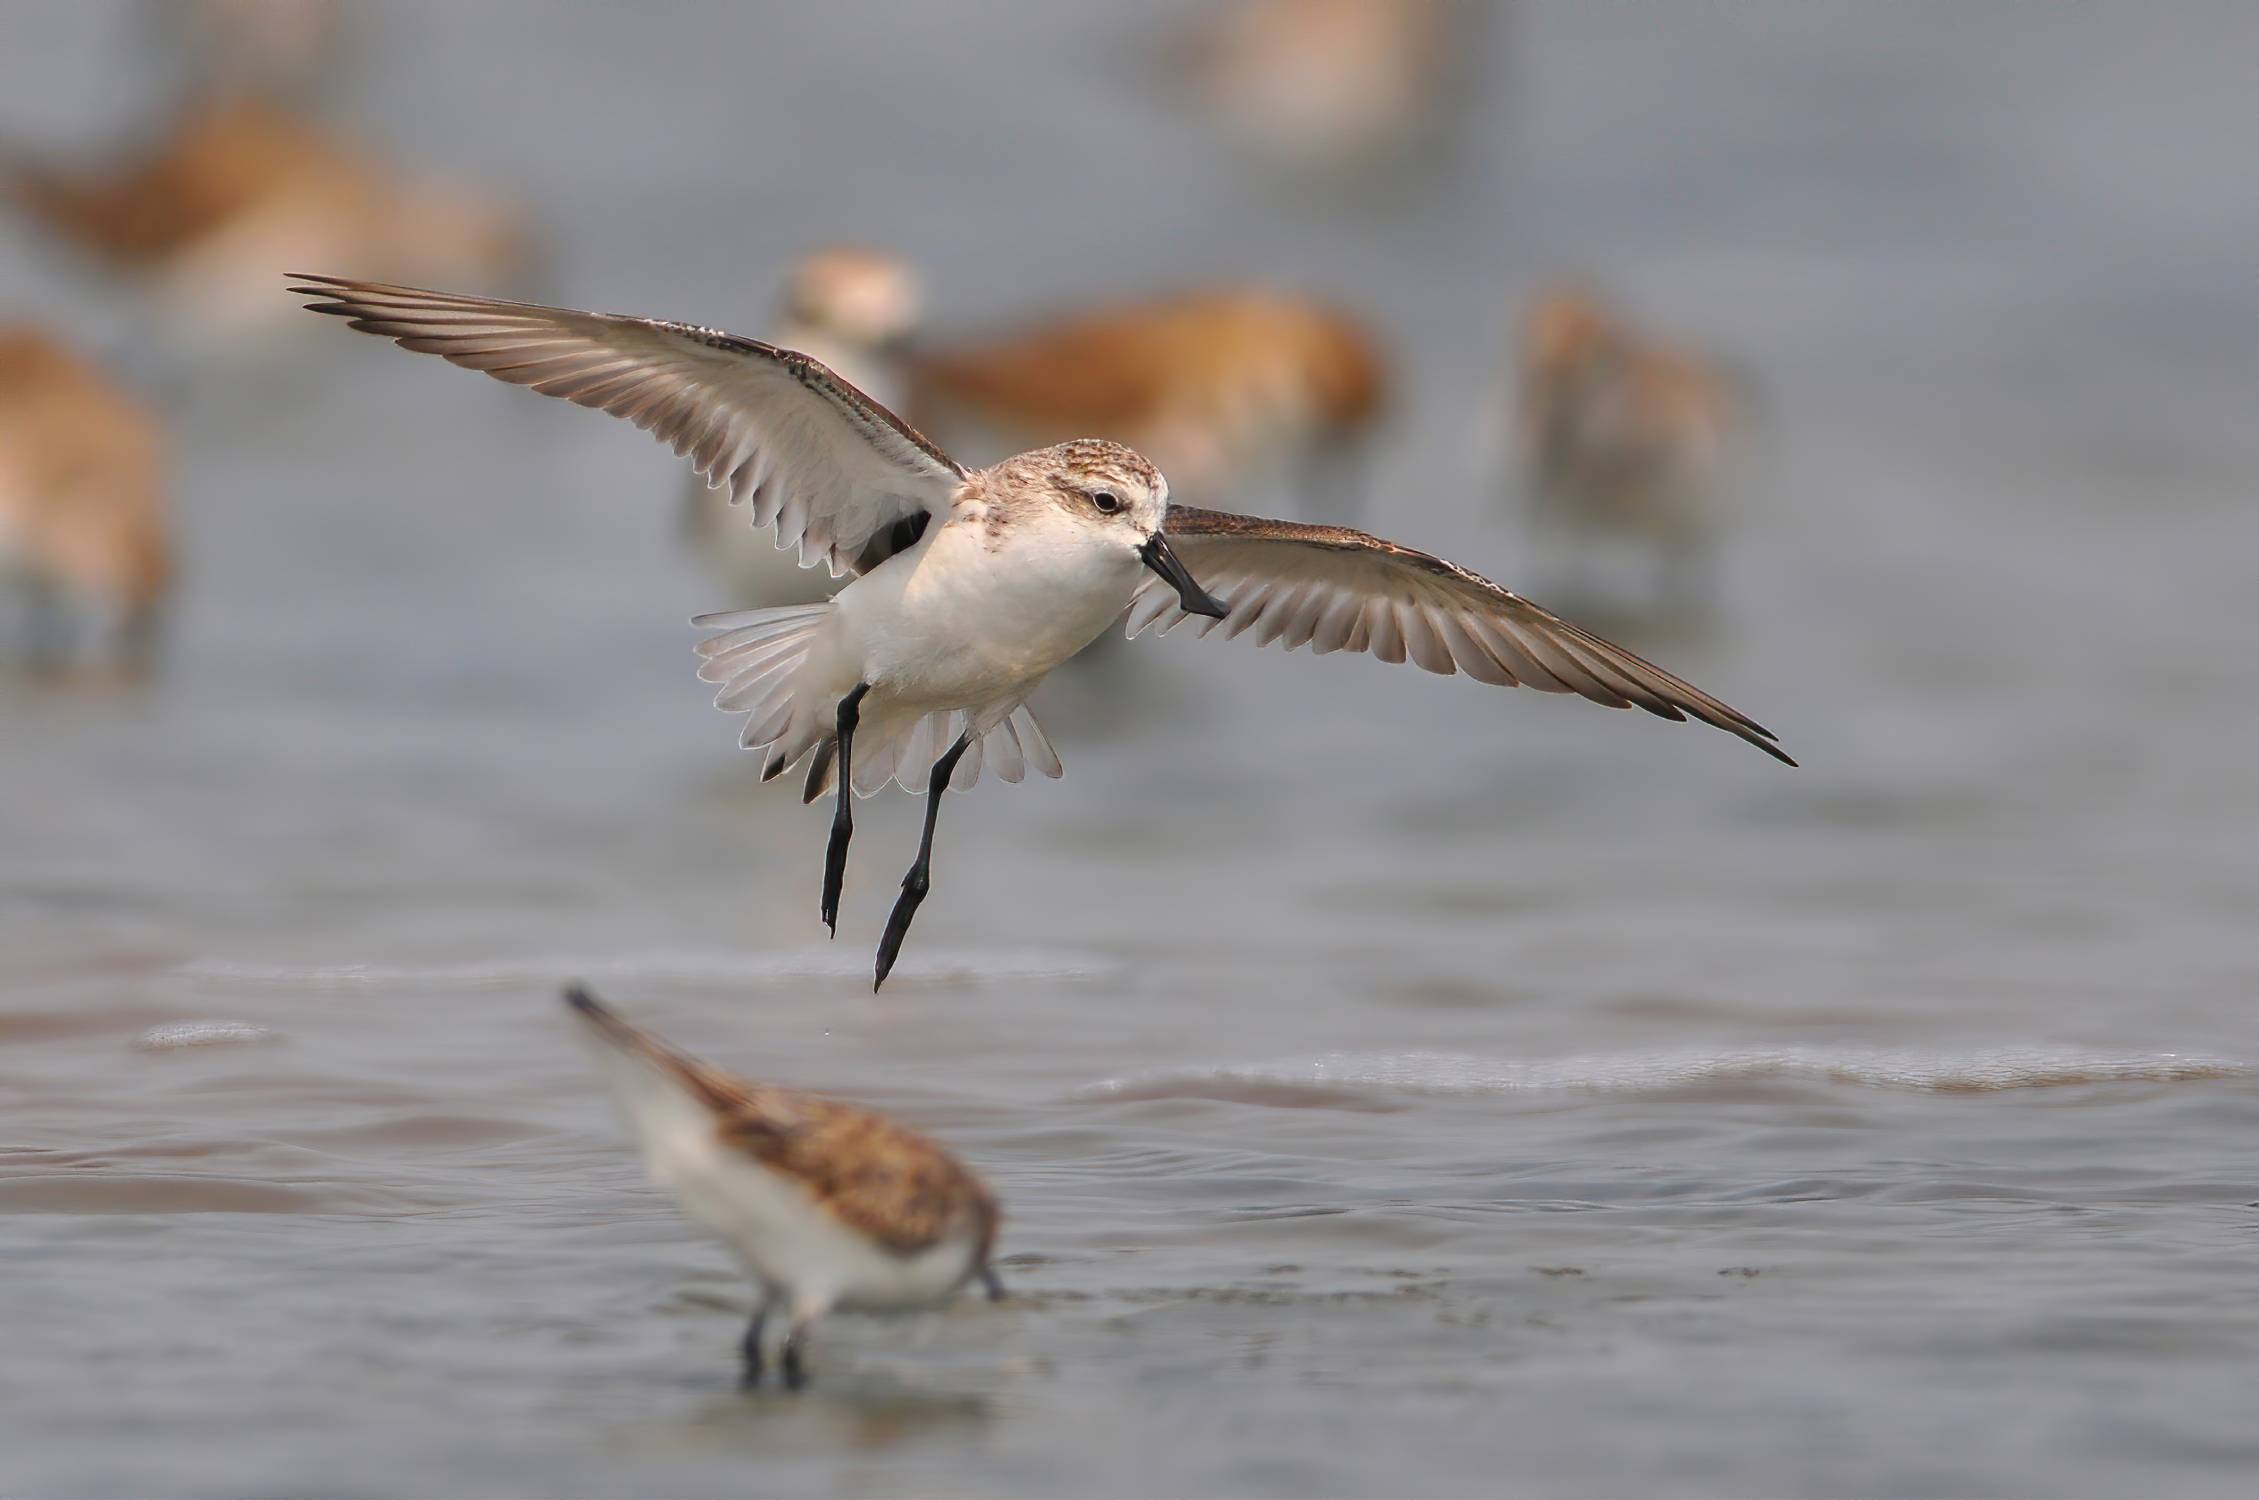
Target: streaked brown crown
{"x": 1054, "y": 475}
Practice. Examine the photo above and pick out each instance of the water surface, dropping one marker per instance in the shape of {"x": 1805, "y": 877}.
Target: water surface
{"x": 1394, "y": 1086}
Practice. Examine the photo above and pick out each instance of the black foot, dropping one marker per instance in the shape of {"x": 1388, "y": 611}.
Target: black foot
{"x": 835, "y": 867}
{"x": 919, "y": 880}
{"x": 989, "y": 1279}
{"x": 795, "y": 1374}
{"x": 898, "y": 924}
{"x": 843, "y": 814}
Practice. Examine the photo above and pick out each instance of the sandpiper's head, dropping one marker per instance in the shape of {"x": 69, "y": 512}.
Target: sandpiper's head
{"x": 857, "y": 296}
{"x": 1115, "y": 498}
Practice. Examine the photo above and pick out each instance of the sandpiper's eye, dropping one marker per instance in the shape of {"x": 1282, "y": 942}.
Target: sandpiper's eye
{"x": 1107, "y": 501}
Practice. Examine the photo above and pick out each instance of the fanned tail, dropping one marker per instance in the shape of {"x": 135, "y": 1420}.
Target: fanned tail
{"x": 756, "y": 660}
{"x": 905, "y": 754}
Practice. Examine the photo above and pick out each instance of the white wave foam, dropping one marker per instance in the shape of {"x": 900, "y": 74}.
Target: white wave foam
{"x": 204, "y": 1034}
{"x": 665, "y": 966}
{"x": 1978, "y": 1070}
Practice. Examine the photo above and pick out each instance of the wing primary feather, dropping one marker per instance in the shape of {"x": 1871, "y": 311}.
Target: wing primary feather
{"x": 1401, "y": 604}
{"x": 770, "y": 419}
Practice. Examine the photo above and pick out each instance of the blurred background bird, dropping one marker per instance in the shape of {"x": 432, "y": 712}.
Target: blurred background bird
{"x": 235, "y": 189}
{"x": 1333, "y": 88}
{"x": 851, "y": 307}
{"x": 287, "y": 50}
{"x": 1623, "y": 435}
{"x": 1226, "y": 388}
{"x": 82, "y": 501}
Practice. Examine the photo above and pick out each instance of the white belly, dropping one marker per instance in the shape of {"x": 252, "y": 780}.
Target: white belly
{"x": 957, "y": 625}
{"x": 788, "y": 1240}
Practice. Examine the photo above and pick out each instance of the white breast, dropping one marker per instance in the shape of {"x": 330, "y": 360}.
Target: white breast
{"x": 786, "y": 1238}
{"x": 969, "y": 619}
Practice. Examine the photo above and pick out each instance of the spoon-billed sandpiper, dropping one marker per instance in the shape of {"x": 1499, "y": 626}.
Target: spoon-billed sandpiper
{"x": 829, "y": 1206}
{"x": 974, "y": 584}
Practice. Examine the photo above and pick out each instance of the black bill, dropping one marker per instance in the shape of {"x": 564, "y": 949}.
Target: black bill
{"x": 1162, "y": 559}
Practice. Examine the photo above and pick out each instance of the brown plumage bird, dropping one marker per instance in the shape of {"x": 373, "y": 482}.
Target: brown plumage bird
{"x": 82, "y": 494}
{"x": 1335, "y": 86}
{"x": 1621, "y": 432}
{"x": 238, "y": 188}
{"x": 828, "y": 1206}
{"x": 1215, "y": 385}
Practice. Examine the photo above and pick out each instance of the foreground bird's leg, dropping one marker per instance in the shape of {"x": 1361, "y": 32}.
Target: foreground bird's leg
{"x": 843, "y": 817}
{"x": 752, "y": 1347}
{"x": 916, "y": 883}
{"x": 989, "y": 1279}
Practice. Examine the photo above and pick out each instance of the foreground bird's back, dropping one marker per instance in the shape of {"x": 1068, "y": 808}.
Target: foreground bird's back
{"x": 699, "y": 1126}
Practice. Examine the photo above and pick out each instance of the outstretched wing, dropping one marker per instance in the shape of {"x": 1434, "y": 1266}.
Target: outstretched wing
{"x": 838, "y": 475}
{"x": 1333, "y": 589}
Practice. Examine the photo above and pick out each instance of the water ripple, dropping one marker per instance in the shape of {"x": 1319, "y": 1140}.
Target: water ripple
{"x": 721, "y": 966}
{"x": 179, "y": 1034}
{"x": 1455, "y": 1073}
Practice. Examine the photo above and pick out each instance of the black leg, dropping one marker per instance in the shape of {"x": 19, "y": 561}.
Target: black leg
{"x": 795, "y": 1370}
{"x": 752, "y": 1346}
{"x": 843, "y": 816}
{"x": 988, "y": 1279}
{"x": 920, "y": 878}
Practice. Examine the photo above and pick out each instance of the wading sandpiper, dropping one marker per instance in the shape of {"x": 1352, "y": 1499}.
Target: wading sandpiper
{"x": 828, "y": 1206}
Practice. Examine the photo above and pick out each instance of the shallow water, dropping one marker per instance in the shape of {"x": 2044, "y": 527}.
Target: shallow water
{"x": 1394, "y": 1086}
